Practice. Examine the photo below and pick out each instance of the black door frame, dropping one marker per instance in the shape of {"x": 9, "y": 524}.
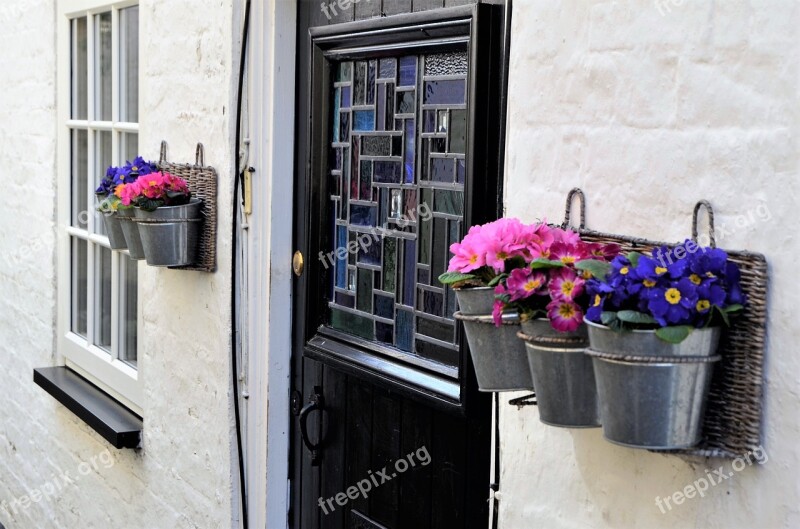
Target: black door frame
{"x": 482, "y": 25}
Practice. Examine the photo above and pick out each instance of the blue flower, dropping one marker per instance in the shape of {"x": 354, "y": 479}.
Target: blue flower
{"x": 673, "y": 305}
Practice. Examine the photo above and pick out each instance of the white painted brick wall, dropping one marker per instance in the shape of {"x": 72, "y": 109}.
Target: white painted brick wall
{"x": 183, "y": 478}
{"x": 649, "y": 113}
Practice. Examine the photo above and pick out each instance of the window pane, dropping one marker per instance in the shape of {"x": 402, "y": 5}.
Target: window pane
{"x": 129, "y": 323}
{"x": 102, "y": 65}
{"x": 102, "y": 155}
{"x": 102, "y": 308}
{"x": 128, "y": 146}
{"x": 129, "y": 64}
{"x": 80, "y": 173}
{"x": 78, "y": 273}
{"x": 79, "y": 69}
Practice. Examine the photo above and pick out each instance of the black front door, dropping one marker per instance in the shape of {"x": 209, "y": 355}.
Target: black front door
{"x": 399, "y": 123}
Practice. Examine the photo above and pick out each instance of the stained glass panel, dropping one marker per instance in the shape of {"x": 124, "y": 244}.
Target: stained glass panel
{"x": 397, "y": 167}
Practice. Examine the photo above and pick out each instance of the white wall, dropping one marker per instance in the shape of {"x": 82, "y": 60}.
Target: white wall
{"x": 184, "y": 476}
{"x": 650, "y": 107}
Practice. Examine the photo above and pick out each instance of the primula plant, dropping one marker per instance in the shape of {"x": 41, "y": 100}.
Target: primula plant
{"x": 491, "y": 250}
{"x": 664, "y": 292}
{"x": 152, "y": 191}
{"x": 532, "y": 268}
{"x": 551, "y": 286}
{"x": 116, "y": 178}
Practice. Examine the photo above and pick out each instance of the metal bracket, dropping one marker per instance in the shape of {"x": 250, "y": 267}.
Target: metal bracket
{"x": 527, "y": 400}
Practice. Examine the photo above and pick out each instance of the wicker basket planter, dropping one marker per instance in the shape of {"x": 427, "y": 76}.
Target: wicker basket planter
{"x": 170, "y": 234}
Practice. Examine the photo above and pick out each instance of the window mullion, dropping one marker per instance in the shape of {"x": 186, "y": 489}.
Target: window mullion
{"x": 91, "y": 294}
{"x": 116, "y": 299}
{"x": 114, "y": 68}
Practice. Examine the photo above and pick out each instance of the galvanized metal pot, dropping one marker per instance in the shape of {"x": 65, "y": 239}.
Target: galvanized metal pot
{"x": 652, "y": 393}
{"x": 562, "y": 374}
{"x": 498, "y": 355}
{"x": 475, "y": 301}
{"x": 116, "y": 238}
{"x": 131, "y": 231}
{"x": 170, "y": 234}
{"x": 700, "y": 342}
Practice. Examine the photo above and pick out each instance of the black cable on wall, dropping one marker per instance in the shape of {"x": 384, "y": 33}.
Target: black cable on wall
{"x": 234, "y": 237}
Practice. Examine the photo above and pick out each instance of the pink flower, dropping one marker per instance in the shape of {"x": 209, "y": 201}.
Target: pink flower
{"x": 468, "y": 255}
{"x": 568, "y": 253}
{"x": 127, "y": 193}
{"x": 524, "y": 282}
{"x": 566, "y": 236}
{"x": 504, "y": 239}
{"x": 565, "y": 315}
{"x": 499, "y": 305}
{"x": 605, "y": 252}
{"x": 565, "y": 284}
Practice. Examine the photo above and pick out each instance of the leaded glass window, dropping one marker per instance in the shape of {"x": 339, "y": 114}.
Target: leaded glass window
{"x": 397, "y": 168}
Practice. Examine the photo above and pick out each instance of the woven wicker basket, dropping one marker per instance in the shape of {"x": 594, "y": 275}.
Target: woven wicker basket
{"x": 202, "y": 182}
{"x": 732, "y": 425}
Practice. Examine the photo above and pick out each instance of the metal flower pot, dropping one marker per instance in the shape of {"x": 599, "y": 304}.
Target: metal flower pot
{"x": 498, "y": 355}
{"x": 700, "y": 342}
{"x": 475, "y": 301}
{"x": 562, "y": 374}
{"x": 131, "y": 231}
{"x": 116, "y": 238}
{"x": 170, "y": 234}
{"x": 652, "y": 393}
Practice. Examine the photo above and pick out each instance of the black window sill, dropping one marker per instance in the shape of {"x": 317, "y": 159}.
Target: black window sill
{"x": 114, "y": 422}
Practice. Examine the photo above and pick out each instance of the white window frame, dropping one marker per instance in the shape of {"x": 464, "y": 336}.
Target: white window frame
{"x": 117, "y": 378}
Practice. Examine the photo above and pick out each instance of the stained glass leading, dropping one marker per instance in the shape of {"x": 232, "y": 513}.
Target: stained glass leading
{"x": 397, "y": 167}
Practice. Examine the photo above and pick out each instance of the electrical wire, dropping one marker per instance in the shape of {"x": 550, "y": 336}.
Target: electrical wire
{"x": 234, "y": 319}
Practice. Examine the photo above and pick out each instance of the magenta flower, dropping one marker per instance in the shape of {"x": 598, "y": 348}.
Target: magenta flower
{"x": 564, "y": 315}
{"x": 566, "y": 284}
{"x": 568, "y": 253}
{"x": 524, "y": 282}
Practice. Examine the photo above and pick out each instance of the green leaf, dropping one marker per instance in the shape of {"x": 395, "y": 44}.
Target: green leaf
{"x": 608, "y": 317}
{"x": 723, "y": 315}
{"x": 733, "y": 308}
{"x": 541, "y": 262}
{"x": 496, "y": 280}
{"x": 633, "y": 257}
{"x": 635, "y": 317}
{"x": 448, "y": 278}
{"x": 675, "y": 334}
{"x": 598, "y": 269}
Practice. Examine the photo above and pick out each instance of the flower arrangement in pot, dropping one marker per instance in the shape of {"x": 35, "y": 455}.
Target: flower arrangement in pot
{"x": 654, "y": 326}
{"x": 168, "y": 218}
{"x": 117, "y": 216}
{"x": 549, "y": 293}
{"x": 486, "y": 255}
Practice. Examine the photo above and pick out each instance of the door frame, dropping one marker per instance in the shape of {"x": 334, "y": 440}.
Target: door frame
{"x": 270, "y": 119}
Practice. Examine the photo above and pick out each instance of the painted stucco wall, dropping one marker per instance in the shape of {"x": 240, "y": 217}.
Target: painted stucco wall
{"x": 184, "y": 475}
{"x": 649, "y": 107}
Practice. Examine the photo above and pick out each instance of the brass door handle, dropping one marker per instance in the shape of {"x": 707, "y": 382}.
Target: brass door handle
{"x": 297, "y": 263}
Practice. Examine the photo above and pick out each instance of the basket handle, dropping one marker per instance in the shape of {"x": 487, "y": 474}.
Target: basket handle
{"x": 199, "y": 155}
{"x": 575, "y": 192}
{"x": 710, "y": 211}
{"x": 163, "y": 157}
